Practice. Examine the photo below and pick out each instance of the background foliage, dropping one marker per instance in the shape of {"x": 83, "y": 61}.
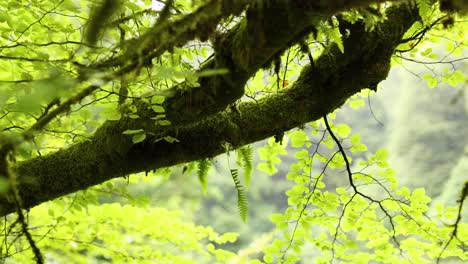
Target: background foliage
{"x": 388, "y": 190}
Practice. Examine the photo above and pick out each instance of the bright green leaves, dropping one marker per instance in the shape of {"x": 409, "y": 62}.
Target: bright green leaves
{"x": 273, "y": 250}
{"x": 70, "y": 5}
{"x": 152, "y": 234}
{"x": 380, "y": 158}
{"x": 112, "y": 114}
{"x": 269, "y": 154}
{"x": 221, "y": 255}
{"x": 431, "y": 80}
{"x": 158, "y": 109}
{"x": 299, "y": 138}
{"x": 161, "y": 120}
{"x": 176, "y": 74}
{"x": 156, "y": 106}
{"x": 356, "y": 145}
{"x": 376, "y": 214}
{"x": 454, "y": 78}
{"x": 30, "y": 97}
{"x": 449, "y": 76}
{"x": 419, "y": 195}
{"x": 343, "y": 130}
{"x": 429, "y": 53}
{"x": 138, "y": 135}
{"x": 419, "y": 201}
{"x": 425, "y": 11}
{"x": 357, "y": 101}
{"x": 455, "y": 48}
{"x": 317, "y": 162}
{"x": 137, "y": 138}
{"x": 296, "y": 194}
{"x": 256, "y": 83}
{"x": 279, "y": 220}
{"x": 4, "y": 17}
{"x": 157, "y": 100}
{"x": 165, "y": 72}
{"x": 329, "y": 32}
{"x": 170, "y": 139}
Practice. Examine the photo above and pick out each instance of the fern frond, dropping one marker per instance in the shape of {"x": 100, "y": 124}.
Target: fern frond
{"x": 202, "y": 172}
{"x": 425, "y": 10}
{"x": 242, "y": 204}
{"x": 244, "y": 159}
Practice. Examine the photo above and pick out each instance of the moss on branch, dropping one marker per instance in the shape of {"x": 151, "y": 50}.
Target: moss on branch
{"x": 318, "y": 90}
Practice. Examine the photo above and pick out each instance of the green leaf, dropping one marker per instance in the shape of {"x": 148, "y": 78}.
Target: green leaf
{"x": 302, "y": 154}
{"x": 343, "y": 130}
{"x": 3, "y": 17}
{"x": 381, "y": 154}
{"x": 298, "y": 138}
{"x": 158, "y": 108}
{"x": 170, "y": 139}
{"x": 164, "y": 122}
{"x": 356, "y": 103}
{"x": 70, "y": 5}
{"x": 267, "y": 168}
{"x": 157, "y": 99}
{"x": 277, "y": 218}
{"x": 430, "y": 80}
{"x": 269, "y": 153}
{"x": 426, "y": 52}
{"x": 111, "y": 114}
{"x": 26, "y": 76}
{"x": 457, "y": 77}
{"x": 418, "y": 194}
{"x": 341, "y": 191}
{"x": 51, "y": 212}
{"x": 137, "y": 138}
{"x": 133, "y": 131}
{"x": 355, "y": 139}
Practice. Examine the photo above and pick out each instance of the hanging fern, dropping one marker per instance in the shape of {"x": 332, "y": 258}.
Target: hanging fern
{"x": 241, "y": 196}
{"x": 202, "y": 172}
{"x": 244, "y": 159}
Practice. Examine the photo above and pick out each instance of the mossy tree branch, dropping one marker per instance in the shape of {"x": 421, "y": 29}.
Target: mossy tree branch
{"x": 319, "y": 90}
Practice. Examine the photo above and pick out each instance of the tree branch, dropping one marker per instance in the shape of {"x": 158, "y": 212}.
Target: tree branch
{"x": 318, "y": 91}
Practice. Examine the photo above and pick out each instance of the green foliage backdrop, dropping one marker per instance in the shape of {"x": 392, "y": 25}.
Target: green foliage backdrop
{"x": 113, "y": 113}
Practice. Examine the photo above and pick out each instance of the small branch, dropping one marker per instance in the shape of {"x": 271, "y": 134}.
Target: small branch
{"x": 419, "y": 35}
{"x": 45, "y": 119}
{"x": 32, "y": 59}
{"x": 343, "y": 154}
{"x": 463, "y": 196}
{"x": 432, "y": 62}
{"x": 6, "y": 156}
{"x": 24, "y": 227}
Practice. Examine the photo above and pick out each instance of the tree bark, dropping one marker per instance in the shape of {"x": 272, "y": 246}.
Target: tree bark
{"x": 319, "y": 90}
